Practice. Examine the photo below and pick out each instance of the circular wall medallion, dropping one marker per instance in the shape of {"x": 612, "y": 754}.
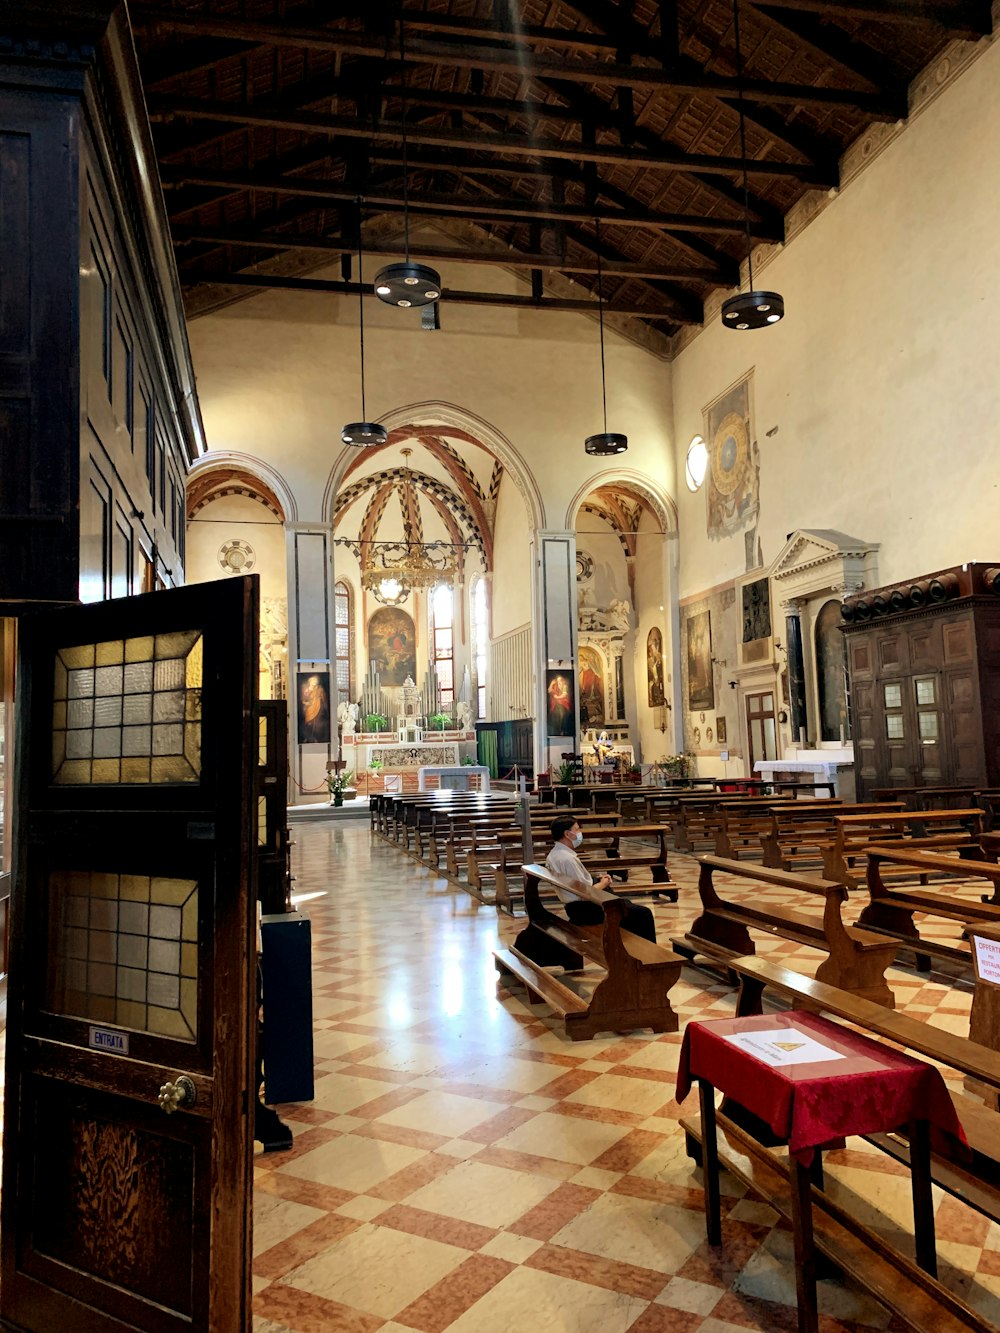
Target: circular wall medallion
{"x": 730, "y": 454}
{"x": 584, "y": 566}
{"x": 237, "y": 557}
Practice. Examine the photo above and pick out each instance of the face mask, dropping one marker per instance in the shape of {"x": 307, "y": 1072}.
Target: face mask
{"x": 577, "y": 839}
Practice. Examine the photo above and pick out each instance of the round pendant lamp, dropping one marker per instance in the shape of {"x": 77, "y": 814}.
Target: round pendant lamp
{"x": 362, "y": 434}
{"x": 605, "y": 443}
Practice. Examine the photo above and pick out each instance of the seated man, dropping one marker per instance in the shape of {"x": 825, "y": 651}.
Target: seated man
{"x": 567, "y": 866}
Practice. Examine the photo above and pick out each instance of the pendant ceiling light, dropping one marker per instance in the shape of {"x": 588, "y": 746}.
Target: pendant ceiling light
{"x": 607, "y": 442}
{"x": 409, "y": 283}
{"x": 362, "y": 434}
{"x": 748, "y": 310}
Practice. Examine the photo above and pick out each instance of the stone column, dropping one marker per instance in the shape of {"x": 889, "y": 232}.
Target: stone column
{"x": 555, "y": 640}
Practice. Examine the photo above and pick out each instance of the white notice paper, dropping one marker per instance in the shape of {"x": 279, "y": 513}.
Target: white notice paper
{"x": 783, "y": 1046}
{"x": 987, "y": 959}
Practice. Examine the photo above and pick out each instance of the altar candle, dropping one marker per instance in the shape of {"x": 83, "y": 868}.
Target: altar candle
{"x": 802, "y": 737}
{"x": 843, "y": 739}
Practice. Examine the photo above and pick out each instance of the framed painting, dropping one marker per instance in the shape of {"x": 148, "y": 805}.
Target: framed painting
{"x": 654, "y": 668}
{"x": 392, "y": 645}
{"x": 591, "y": 668}
{"x": 560, "y": 720}
{"x": 314, "y": 707}
{"x": 720, "y": 730}
{"x": 701, "y": 686}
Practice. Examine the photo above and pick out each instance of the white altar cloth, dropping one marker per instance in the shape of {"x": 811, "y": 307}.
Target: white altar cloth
{"x": 454, "y": 777}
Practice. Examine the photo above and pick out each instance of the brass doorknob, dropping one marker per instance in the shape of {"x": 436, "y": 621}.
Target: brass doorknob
{"x": 174, "y": 1096}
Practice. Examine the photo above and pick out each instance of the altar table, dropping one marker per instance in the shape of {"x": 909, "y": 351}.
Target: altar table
{"x": 814, "y": 1083}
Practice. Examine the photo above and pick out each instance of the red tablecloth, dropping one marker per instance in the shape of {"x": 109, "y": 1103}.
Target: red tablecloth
{"x": 871, "y": 1089}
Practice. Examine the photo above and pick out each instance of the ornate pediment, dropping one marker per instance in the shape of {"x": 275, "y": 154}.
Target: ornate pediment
{"x": 808, "y": 549}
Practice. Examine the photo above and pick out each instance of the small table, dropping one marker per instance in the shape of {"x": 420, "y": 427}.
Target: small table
{"x": 814, "y": 1083}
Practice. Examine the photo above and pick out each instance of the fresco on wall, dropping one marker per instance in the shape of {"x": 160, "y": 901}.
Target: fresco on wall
{"x": 831, "y": 671}
{"x": 314, "y": 707}
{"x": 654, "y": 668}
{"x": 559, "y": 703}
{"x": 392, "y": 645}
{"x": 701, "y": 686}
{"x": 733, "y": 487}
{"x": 591, "y": 668}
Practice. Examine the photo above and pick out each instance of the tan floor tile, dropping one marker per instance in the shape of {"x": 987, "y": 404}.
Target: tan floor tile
{"x": 563, "y": 1138}
{"x": 635, "y": 1231}
{"x": 528, "y": 1299}
{"x": 353, "y": 1163}
{"x": 621, "y": 1094}
{"x": 682, "y": 1294}
{"x": 450, "y": 1116}
{"x": 488, "y": 1195}
{"x": 275, "y": 1219}
{"x": 363, "y": 1207}
{"x": 516, "y": 1249}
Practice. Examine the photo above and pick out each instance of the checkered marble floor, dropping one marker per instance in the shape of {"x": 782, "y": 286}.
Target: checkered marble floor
{"x": 464, "y": 1166}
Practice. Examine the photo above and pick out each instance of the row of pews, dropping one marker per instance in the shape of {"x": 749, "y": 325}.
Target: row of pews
{"x": 909, "y": 868}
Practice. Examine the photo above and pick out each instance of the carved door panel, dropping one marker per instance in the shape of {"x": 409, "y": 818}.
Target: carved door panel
{"x": 126, "y": 1200}
{"x": 273, "y": 873}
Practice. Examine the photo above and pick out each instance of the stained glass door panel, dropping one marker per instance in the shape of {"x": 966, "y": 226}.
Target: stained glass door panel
{"x": 129, "y": 1070}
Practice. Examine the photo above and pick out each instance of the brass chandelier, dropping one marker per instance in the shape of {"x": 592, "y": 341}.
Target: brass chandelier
{"x": 395, "y": 569}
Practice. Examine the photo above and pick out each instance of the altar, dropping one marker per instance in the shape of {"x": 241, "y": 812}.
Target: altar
{"x": 836, "y": 766}
{"x": 450, "y": 777}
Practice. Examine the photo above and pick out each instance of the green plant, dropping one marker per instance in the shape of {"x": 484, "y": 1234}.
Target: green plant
{"x": 375, "y": 765}
{"x": 439, "y": 721}
{"x": 566, "y": 773}
{"x": 469, "y": 763}
{"x": 337, "y": 783}
{"x": 376, "y": 721}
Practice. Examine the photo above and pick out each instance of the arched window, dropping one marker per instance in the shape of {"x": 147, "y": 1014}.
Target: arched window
{"x": 343, "y": 641}
{"x": 480, "y": 640}
{"x": 443, "y": 635}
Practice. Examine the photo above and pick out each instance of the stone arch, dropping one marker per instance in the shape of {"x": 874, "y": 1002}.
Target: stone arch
{"x": 230, "y": 473}
{"x": 659, "y": 502}
{"x": 447, "y": 419}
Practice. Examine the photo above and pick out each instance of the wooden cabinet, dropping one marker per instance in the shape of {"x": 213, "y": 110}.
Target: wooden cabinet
{"x": 924, "y": 664}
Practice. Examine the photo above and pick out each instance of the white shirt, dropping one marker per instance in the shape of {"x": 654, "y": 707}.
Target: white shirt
{"x": 565, "y": 863}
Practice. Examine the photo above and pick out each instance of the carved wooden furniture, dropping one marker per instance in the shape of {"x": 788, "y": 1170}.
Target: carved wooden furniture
{"x": 856, "y": 959}
{"x": 742, "y": 830}
{"x": 601, "y": 852}
{"x": 638, "y": 974}
{"x": 797, "y": 836}
{"x": 924, "y": 662}
{"x": 844, "y": 857}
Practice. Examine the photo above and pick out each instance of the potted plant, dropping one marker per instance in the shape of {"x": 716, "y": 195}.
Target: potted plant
{"x": 634, "y": 773}
{"x": 566, "y": 774}
{"x": 376, "y": 722}
{"x": 439, "y": 721}
{"x": 337, "y": 784}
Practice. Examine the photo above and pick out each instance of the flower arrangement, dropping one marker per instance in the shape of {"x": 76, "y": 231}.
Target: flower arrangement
{"x": 439, "y": 721}
{"x": 337, "y": 784}
{"x": 375, "y": 765}
{"x": 674, "y": 765}
{"x": 566, "y": 773}
{"x": 376, "y": 722}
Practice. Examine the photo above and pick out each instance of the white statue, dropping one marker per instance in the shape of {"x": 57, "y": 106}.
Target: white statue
{"x": 619, "y": 614}
{"x": 463, "y": 715}
{"x": 348, "y": 716}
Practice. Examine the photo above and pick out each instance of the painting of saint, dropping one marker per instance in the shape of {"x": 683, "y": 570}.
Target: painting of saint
{"x": 314, "y": 707}
{"x": 701, "y": 686}
{"x": 559, "y": 703}
{"x": 654, "y": 668}
{"x": 591, "y": 688}
{"x": 392, "y": 645}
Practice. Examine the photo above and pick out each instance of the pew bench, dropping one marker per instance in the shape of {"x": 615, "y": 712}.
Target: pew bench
{"x": 856, "y": 959}
{"x": 844, "y": 858}
{"x": 482, "y": 847}
{"x": 632, "y": 994}
{"x": 742, "y": 831}
{"x": 796, "y": 836}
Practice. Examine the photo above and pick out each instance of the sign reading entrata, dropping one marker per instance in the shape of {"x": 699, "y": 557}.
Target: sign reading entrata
{"x": 106, "y": 1039}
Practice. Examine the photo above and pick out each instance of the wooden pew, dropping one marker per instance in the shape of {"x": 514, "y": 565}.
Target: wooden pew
{"x": 975, "y": 1182}
{"x": 923, "y": 829}
{"x": 638, "y": 974}
{"x": 927, "y": 798}
{"x": 798, "y": 833}
{"x": 699, "y": 818}
{"x": 601, "y": 851}
{"x": 482, "y": 848}
{"x": 856, "y": 959}
{"x": 742, "y": 830}
{"x": 891, "y": 908}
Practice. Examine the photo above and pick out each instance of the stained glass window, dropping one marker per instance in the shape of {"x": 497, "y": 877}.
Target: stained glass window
{"x": 128, "y": 710}
{"x": 125, "y": 951}
{"x": 342, "y": 647}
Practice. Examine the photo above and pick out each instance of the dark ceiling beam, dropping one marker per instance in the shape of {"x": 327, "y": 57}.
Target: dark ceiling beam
{"x": 514, "y": 145}
{"x": 962, "y": 18}
{"x": 450, "y": 205}
{"x": 501, "y": 60}
{"x": 829, "y": 42}
{"x": 675, "y": 312}
{"x": 508, "y": 258}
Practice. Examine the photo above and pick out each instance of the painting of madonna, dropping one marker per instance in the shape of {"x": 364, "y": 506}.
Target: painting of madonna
{"x": 314, "y": 707}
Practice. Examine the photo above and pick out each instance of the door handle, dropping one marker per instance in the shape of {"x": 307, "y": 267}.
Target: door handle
{"x": 177, "y": 1095}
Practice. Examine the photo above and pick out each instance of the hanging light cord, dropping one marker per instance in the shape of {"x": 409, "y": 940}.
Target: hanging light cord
{"x": 361, "y": 312}
{"x": 743, "y": 138}
{"x": 600, "y": 317}
{"x": 402, "y": 117}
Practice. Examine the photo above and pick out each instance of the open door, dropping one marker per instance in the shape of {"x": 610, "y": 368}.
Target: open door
{"x": 127, "y": 1141}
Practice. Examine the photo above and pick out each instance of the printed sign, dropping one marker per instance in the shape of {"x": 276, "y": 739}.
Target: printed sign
{"x": 783, "y": 1046}
{"x": 106, "y": 1039}
{"x": 987, "y": 959}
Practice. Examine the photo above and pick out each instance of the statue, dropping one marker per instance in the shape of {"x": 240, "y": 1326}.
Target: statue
{"x": 463, "y": 715}
{"x": 348, "y": 716}
{"x": 603, "y": 747}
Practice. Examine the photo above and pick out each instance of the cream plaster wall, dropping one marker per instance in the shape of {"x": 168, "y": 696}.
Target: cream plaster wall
{"x": 651, "y": 609}
{"x": 510, "y": 588}
{"x": 278, "y": 376}
{"x": 229, "y": 518}
{"x": 881, "y": 383}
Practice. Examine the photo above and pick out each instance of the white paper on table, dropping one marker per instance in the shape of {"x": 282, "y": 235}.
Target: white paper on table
{"x": 783, "y": 1046}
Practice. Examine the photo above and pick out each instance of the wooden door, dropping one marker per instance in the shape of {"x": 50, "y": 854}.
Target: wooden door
{"x": 761, "y": 723}
{"x": 127, "y": 1162}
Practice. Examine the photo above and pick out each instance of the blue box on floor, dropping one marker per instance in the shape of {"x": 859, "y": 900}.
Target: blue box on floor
{"x": 286, "y": 968}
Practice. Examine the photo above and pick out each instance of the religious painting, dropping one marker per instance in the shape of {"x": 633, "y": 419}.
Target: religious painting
{"x": 701, "y": 686}
{"x": 733, "y": 487}
{"x": 756, "y": 610}
{"x": 720, "y": 730}
{"x": 314, "y": 707}
{"x": 591, "y": 670}
{"x": 559, "y": 703}
{"x": 831, "y": 672}
{"x": 392, "y": 645}
{"x": 654, "y": 668}
{"x": 619, "y": 688}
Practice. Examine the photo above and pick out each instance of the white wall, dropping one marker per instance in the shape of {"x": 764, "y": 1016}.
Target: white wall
{"x": 510, "y": 588}
{"x": 881, "y": 382}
